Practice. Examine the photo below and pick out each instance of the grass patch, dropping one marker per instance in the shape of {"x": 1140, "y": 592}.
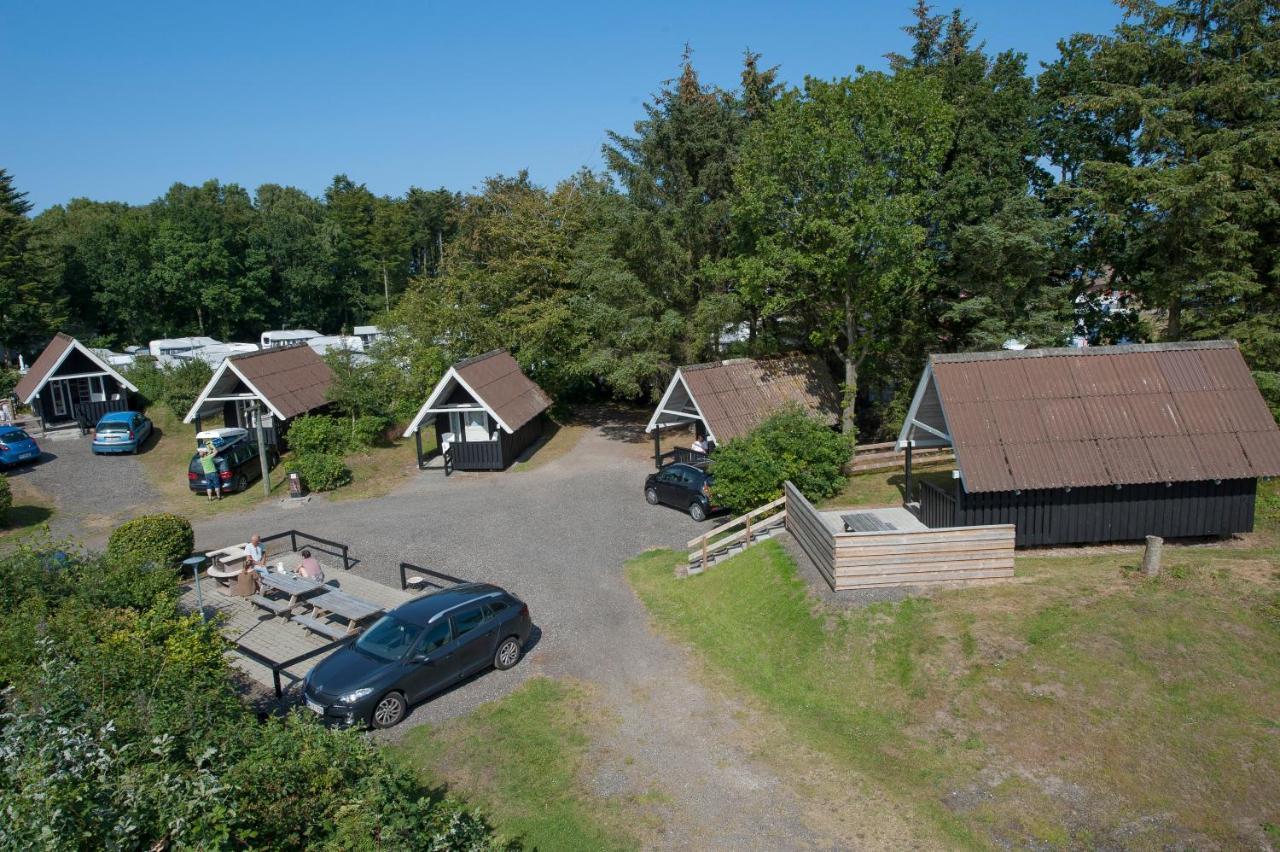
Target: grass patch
{"x": 1083, "y": 705}
{"x": 165, "y": 457}
{"x": 560, "y": 439}
{"x": 377, "y": 471}
{"x": 31, "y": 507}
{"x": 522, "y": 760}
{"x": 885, "y": 487}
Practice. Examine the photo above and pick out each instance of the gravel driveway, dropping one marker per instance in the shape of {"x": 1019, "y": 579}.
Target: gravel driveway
{"x": 558, "y": 536}
{"x": 91, "y": 494}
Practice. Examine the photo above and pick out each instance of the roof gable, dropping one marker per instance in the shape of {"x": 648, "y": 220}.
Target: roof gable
{"x": 733, "y": 397}
{"x": 48, "y": 362}
{"x": 1108, "y": 415}
{"x": 496, "y": 382}
{"x": 290, "y": 380}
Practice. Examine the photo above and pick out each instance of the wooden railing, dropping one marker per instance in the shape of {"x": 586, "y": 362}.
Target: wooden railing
{"x": 937, "y": 507}
{"x": 737, "y": 531}
{"x": 887, "y": 455}
{"x": 681, "y": 455}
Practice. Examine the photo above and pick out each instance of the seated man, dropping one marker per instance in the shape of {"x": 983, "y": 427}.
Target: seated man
{"x": 253, "y": 556}
{"x": 310, "y": 568}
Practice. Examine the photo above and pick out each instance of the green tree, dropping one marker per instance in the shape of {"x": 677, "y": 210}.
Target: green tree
{"x": 832, "y": 183}
{"x": 30, "y": 310}
{"x": 1189, "y": 218}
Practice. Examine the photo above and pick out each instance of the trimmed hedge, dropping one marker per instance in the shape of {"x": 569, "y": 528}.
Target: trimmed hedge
{"x": 6, "y": 500}
{"x": 321, "y": 471}
{"x": 163, "y": 540}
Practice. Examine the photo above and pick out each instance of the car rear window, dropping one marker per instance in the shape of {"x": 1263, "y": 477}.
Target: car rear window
{"x": 14, "y": 435}
{"x": 113, "y": 426}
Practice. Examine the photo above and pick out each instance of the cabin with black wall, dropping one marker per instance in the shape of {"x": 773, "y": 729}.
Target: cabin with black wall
{"x": 1101, "y": 444}
{"x": 69, "y": 384}
{"x": 486, "y": 413}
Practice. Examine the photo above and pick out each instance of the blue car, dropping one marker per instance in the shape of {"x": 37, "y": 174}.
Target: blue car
{"x": 120, "y": 432}
{"x": 17, "y": 447}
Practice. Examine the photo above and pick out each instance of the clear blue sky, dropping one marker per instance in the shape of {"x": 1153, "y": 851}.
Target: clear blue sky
{"x": 119, "y": 100}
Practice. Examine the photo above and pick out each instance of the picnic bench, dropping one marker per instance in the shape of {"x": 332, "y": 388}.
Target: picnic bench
{"x": 865, "y": 522}
{"x": 341, "y": 605}
{"x": 295, "y": 588}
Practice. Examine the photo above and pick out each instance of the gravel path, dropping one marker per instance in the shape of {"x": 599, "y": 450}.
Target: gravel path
{"x": 91, "y": 494}
{"x": 558, "y": 536}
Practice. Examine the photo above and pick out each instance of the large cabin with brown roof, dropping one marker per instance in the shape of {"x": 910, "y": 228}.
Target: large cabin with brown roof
{"x": 69, "y": 383}
{"x": 275, "y": 385}
{"x": 486, "y": 412}
{"x": 1108, "y": 443}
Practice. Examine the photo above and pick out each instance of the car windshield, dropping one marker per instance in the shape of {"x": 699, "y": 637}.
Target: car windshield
{"x": 113, "y": 426}
{"x": 389, "y": 639}
{"x": 14, "y": 435}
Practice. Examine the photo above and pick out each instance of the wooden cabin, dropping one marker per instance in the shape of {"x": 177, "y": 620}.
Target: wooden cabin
{"x": 69, "y": 383}
{"x": 275, "y": 384}
{"x": 723, "y": 400}
{"x": 486, "y": 412}
{"x": 1107, "y": 443}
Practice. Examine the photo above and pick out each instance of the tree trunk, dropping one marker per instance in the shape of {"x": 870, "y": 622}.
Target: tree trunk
{"x": 1173, "y": 331}
{"x": 847, "y": 420}
{"x": 200, "y": 319}
{"x": 386, "y": 288}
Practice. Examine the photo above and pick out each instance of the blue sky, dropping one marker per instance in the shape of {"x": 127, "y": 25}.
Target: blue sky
{"x": 119, "y": 100}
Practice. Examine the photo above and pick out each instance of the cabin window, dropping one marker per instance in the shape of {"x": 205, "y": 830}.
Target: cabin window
{"x": 477, "y": 426}
{"x": 97, "y": 393}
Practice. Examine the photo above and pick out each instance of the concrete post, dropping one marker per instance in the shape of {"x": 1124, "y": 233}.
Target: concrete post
{"x": 1151, "y": 556}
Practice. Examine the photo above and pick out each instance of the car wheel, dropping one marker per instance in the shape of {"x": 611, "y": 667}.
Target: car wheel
{"x": 508, "y": 654}
{"x": 651, "y": 494}
{"x": 697, "y": 511}
{"x": 389, "y": 710}
{"x": 242, "y": 483}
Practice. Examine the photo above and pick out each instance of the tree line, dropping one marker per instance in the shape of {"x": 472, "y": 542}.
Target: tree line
{"x": 954, "y": 201}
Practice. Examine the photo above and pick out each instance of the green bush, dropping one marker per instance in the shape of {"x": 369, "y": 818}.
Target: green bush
{"x": 749, "y": 471}
{"x": 163, "y": 540}
{"x": 175, "y": 386}
{"x": 122, "y": 724}
{"x": 8, "y": 381}
{"x": 6, "y": 499}
{"x": 367, "y": 430}
{"x": 317, "y": 434}
{"x": 321, "y": 471}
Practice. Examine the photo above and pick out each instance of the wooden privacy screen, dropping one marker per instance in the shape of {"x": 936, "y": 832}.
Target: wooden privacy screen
{"x": 952, "y": 555}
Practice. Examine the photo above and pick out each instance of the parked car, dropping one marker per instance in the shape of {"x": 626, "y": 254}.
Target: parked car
{"x": 683, "y": 486}
{"x": 17, "y": 447}
{"x": 237, "y": 460}
{"x": 120, "y": 432}
{"x": 417, "y": 650}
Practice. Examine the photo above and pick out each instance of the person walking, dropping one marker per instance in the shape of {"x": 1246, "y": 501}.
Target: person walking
{"x": 209, "y": 464}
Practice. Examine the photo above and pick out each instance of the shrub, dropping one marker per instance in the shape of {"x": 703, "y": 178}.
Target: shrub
{"x": 367, "y": 430}
{"x": 6, "y": 499}
{"x": 163, "y": 540}
{"x": 8, "y": 381}
{"x": 321, "y": 471}
{"x": 749, "y": 471}
{"x": 317, "y": 434}
{"x": 176, "y": 386}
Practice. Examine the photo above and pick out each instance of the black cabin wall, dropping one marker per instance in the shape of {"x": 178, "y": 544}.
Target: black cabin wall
{"x": 1102, "y": 514}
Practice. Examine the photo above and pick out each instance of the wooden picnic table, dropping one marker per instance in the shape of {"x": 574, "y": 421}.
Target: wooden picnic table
{"x": 865, "y": 522}
{"x": 296, "y": 588}
{"x": 344, "y": 606}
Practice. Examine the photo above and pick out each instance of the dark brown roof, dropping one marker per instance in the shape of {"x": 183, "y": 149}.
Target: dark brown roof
{"x": 293, "y": 379}
{"x": 735, "y": 396}
{"x": 36, "y": 374}
{"x": 497, "y": 379}
{"x": 1105, "y": 415}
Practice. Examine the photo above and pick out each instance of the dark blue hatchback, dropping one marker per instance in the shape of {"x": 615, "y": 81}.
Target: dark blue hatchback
{"x": 17, "y": 447}
{"x": 416, "y": 650}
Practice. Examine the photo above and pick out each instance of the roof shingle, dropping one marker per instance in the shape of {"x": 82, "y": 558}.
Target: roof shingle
{"x": 736, "y": 396}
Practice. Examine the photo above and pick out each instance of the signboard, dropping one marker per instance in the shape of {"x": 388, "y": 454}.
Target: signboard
{"x": 296, "y": 488}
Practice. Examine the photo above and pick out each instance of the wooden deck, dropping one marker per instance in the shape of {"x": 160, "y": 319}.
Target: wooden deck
{"x": 911, "y": 554}
{"x": 274, "y": 637}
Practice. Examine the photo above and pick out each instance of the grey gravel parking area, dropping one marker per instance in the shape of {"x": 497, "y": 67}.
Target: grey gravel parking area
{"x": 558, "y": 536}
{"x": 91, "y": 494}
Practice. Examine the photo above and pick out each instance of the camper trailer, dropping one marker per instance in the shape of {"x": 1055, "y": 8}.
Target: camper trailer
{"x": 287, "y": 337}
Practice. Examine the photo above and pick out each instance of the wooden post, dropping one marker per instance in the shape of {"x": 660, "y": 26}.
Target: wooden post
{"x": 907, "y": 470}
{"x": 657, "y": 447}
{"x": 262, "y": 449}
{"x": 1151, "y": 556}
{"x": 417, "y": 441}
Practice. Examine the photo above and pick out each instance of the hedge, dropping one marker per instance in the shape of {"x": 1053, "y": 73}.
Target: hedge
{"x": 6, "y": 500}
{"x": 321, "y": 471}
{"x": 163, "y": 540}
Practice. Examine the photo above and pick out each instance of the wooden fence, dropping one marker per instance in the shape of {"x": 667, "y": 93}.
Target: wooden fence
{"x": 955, "y": 555}
{"x": 887, "y": 455}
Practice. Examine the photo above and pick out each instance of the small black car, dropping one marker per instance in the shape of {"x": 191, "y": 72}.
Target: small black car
{"x": 684, "y": 486}
{"x": 416, "y": 650}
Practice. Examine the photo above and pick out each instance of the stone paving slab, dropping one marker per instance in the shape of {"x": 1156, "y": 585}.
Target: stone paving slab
{"x": 278, "y": 638}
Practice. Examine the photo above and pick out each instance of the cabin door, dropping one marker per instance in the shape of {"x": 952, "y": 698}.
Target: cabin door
{"x": 97, "y": 393}
{"x": 477, "y": 428}
{"x": 58, "y": 390}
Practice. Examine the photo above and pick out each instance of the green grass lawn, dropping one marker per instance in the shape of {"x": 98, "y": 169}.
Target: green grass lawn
{"x": 522, "y": 760}
{"x": 31, "y": 507}
{"x": 1081, "y": 704}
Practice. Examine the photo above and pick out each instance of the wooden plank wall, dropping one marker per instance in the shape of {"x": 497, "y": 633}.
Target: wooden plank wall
{"x": 954, "y": 555}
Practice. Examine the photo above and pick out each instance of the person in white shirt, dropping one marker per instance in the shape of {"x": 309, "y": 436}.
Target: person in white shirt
{"x": 253, "y": 557}
{"x": 699, "y": 445}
